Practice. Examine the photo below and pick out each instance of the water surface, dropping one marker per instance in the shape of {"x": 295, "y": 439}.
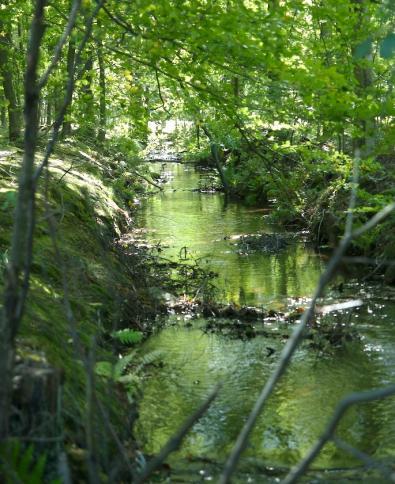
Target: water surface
{"x": 192, "y": 362}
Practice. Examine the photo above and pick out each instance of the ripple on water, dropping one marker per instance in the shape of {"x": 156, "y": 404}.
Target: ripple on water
{"x": 193, "y": 362}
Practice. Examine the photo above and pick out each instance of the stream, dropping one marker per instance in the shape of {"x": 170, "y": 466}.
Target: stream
{"x": 203, "y": 226}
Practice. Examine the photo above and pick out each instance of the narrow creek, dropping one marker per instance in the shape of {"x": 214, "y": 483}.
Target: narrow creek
{"x": 193, "y": 361}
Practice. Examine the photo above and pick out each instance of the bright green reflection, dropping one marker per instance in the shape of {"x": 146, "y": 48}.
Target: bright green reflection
{"x": 204, "y": 224}
{"x": 295, "y": 415}
{"x": 194, "y": 361}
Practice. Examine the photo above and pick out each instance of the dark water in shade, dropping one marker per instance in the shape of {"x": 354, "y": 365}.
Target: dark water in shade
{"x": 193, "y": 361}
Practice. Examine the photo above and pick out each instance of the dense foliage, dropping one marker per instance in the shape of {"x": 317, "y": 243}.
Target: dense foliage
{"x": 291, "y": 101}
{"x": 289, "y": 90}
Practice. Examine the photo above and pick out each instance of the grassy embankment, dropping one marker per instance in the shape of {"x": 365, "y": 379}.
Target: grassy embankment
{"x": 87, "y": 202}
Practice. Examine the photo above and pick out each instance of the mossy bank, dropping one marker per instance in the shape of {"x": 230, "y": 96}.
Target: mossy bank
{"x": 85, "y": 287}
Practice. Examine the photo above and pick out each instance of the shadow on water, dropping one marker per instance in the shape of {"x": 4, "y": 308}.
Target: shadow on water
{"x": 193, "y": 361}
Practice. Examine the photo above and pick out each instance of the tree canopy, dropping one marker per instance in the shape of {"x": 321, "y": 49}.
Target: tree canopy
{"x": 290, "y": 101}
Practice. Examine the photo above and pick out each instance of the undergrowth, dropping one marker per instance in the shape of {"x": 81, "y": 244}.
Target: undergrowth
{"x": 84, "y": 291}
{"x": 307, "y": 184}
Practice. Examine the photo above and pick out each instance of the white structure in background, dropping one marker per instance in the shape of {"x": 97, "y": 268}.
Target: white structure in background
{"x": 168, "y": 126}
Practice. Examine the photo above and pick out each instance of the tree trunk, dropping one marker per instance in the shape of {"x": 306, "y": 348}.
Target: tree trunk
{"x": 364, "y": 76}
{"x": 18, "y": 270}
{"x": 198, "y": 136}
{"x": 88, "y": 114}
{"x": 17, "y": 274}
{"x": 102, "y": 97}
{"x": 49, "y": 111}
{"x": 236, "y": 87}
{"x": 273, "y": 5}
{"x": 70, "y": 72}
{"x": 220, "y": 169}
{"x": 6, "y": 71}
{"x": 3, "y": 116}
{"x": 216, "y": 157}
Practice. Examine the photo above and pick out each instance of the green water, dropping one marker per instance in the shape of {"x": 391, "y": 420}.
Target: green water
{"x": 192, "y": 362}
{"x": 205, "y": 224}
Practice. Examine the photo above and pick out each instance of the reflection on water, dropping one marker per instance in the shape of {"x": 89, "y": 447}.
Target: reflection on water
{"x": 204, "y": 224}
{"x": 194, "y": 361}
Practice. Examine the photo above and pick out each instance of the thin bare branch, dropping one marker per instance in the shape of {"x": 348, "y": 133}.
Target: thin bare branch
{"x": 153, "y": 65}
{"x": 182, "y": 46}
{"x": 121, "y": 23}
{"x": 354, "y": 188}
{"x": 117, "y": 440}
{"x": 365, "y": 458}
{"x": 69, "y": 92}
{"x": 376, "y": 219}
{"x": 160, "y": 92}
{"x": 367, "y": 261}
{"x": 58, "y": 49}
{"x": 176, "y": 440}
{"x": 150, "y": 182}
{"x": 345, "y": 404}
{"x": 294, "y": 340}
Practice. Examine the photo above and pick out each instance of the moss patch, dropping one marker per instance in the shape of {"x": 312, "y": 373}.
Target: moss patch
{"x": 80, "y": 199}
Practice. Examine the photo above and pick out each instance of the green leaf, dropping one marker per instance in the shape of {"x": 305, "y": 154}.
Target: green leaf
{"x": 24, "y": 465}
{"x": 128, "y": 336}
{"x": 104, "y": 368}
{"x": 10, "y": 200}
{"x": 122, "y": 364}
